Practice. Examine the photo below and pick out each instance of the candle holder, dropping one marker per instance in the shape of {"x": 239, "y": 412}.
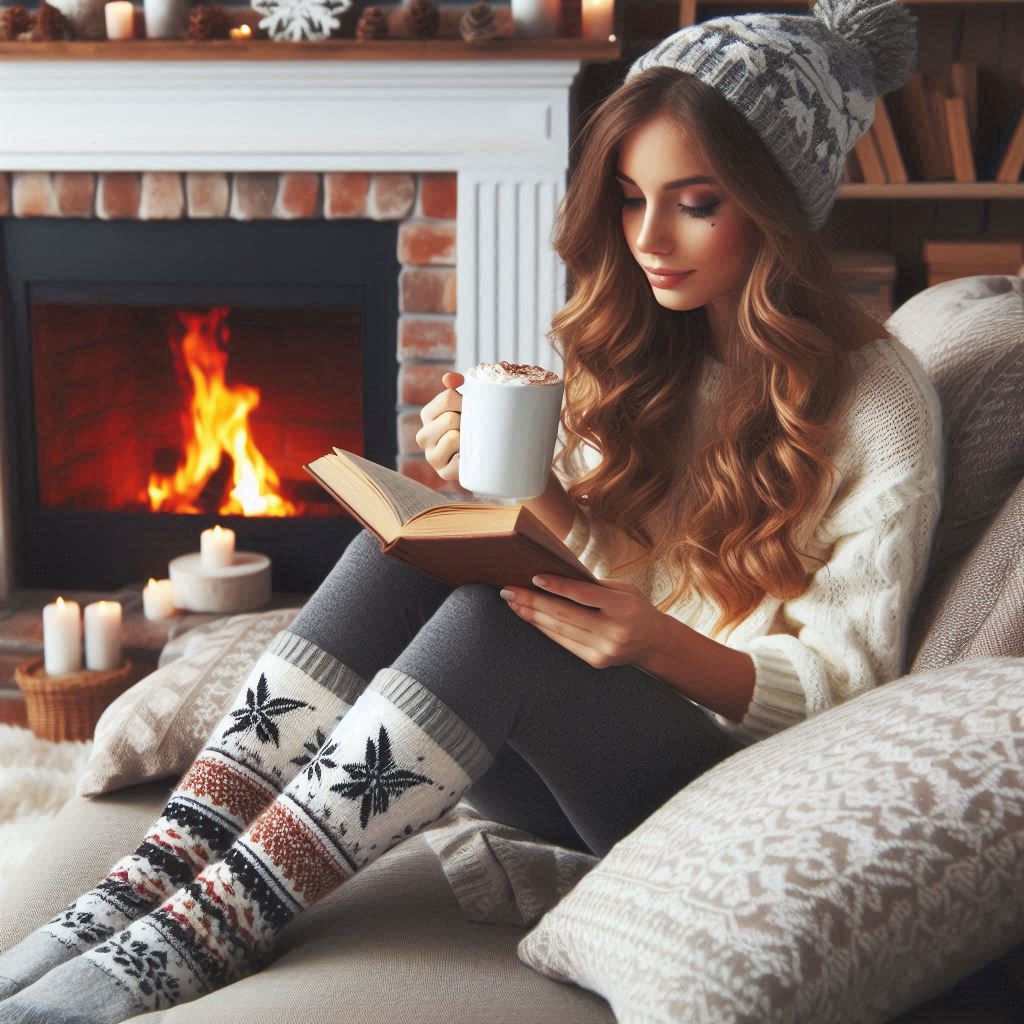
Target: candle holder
{"x": 67, "y": 707}
{"x": 242, "y": 586}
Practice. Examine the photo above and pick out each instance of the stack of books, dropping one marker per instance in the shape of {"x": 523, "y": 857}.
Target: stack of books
{"x": 948, "y": 260}
{"x": 927, "y": 131}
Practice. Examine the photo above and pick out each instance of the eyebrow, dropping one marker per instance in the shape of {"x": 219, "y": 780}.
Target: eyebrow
{"x": 699, "y": 179}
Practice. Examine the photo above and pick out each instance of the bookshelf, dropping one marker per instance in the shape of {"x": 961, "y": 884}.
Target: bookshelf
{"x": 933, "y": 190}
{"x": 899, "y": 219}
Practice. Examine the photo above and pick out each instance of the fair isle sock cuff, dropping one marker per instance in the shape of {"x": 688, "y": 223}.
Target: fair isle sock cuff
{"x": 318, "y": 664}
{"x": 435, "y": 718}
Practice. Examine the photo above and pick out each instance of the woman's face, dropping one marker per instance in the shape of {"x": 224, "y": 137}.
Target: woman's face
{"x": 676, "y": 218}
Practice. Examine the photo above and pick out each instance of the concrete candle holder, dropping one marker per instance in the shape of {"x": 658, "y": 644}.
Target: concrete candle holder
{"x": 240, "y": 587}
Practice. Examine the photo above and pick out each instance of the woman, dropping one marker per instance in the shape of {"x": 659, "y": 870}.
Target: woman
{"x": 752, "y": 469}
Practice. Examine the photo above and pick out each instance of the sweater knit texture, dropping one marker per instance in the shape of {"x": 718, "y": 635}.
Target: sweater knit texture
{"x": 847, "y": 632}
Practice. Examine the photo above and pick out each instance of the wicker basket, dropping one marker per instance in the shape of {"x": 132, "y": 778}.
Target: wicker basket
{"x": 67, "y": 707}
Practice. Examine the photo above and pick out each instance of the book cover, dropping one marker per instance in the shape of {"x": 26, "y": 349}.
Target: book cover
{"x": 960, "y": 147}
{"x": 1011, "y": 162}
{"x": 913, "y": 109}
{"x": 888, "y": 146}
{"x": 869, "y": 158}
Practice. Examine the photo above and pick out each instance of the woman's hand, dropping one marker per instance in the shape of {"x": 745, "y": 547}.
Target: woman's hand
{"x": 606, "y": 623}
{"x": 439, "y": 436}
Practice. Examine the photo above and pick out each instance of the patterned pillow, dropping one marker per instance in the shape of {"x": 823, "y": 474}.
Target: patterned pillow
{"x": 156, "y": 728}
{"x": 844, "y": 870}
{"x": 969, "y": 336}
{"x": 975, "y": 608}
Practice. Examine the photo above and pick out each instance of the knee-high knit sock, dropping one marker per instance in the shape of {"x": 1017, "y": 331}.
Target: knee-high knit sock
{"x": 396, "y": 762}
{"x": 294, "y": 695}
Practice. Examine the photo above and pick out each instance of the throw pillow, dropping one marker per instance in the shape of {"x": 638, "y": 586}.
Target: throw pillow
{"x": 157, "y": 727}
{"x": 839, "y": 872}
{"x": 968, "y": 334}
{"x": 976, "y": 609}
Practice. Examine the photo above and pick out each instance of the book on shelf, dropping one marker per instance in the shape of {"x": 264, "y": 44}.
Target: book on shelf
{"x": 455, "y": 542}
{"x": 888, "y": 146}
{"x": 869, "y": 159}
{"x": 960, "y": 139}
{"x": 1011, "y": 163}
{"x": 937, "y": 86}
{"x": 912, "y": 113}
{"x": 946, "y": 260}
{"x": 963, "y": 81}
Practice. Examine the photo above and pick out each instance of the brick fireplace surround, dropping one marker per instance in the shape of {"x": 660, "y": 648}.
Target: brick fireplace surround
{"x": 425, "y": 204}
{"x": 469, "y": 155}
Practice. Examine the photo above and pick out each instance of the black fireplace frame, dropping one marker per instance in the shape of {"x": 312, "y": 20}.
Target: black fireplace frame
{"x": 284, "y": 264}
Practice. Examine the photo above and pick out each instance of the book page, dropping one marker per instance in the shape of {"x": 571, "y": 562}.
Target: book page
{"x": 406, "y": 496}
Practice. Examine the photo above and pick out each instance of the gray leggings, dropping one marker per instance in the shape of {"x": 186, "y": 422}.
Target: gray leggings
{"x": 582, "y": 755}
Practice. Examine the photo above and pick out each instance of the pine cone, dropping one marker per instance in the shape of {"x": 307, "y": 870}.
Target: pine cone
{"x": 208, "y": 21}
{"x": 14, "y": 21}
{"x": 51, "y": 23}
{"x": 423, "y": 19}
{"x": 478, "y": 23}
{"x": 372, "y": 25}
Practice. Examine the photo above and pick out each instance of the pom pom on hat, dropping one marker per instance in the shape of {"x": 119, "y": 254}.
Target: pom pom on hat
{"x": 885, "y": 29}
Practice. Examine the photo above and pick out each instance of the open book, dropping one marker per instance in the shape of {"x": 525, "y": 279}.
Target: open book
{"x": 456, "y": 543}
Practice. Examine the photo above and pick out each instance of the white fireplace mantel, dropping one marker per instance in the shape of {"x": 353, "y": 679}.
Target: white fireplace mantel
{"x": 501, "y": 125}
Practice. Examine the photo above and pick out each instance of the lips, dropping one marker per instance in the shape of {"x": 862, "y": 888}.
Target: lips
{"x": 666, "y": 278}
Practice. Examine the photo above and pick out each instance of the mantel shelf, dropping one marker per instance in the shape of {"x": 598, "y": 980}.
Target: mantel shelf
{"x": 935, "y": 190}
{"x": 585, "y": 50}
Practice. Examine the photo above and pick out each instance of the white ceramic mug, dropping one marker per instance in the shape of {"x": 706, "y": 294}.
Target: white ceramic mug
{"x": 507, "y": 437}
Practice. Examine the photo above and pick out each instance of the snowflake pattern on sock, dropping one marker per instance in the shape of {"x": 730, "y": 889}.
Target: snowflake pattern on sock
{"x": 378, "y": 779}
{"x": 259, "y": 709}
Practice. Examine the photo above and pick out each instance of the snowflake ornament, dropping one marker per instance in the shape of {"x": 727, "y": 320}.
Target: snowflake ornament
{"x": 300, "y": 19}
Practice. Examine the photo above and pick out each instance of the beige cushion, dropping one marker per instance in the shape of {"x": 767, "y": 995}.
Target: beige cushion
{"x": 975, "y": 609}
{"x": 841, "y": 871}
{"x": 968, "y": 335}
{"x": 156, "y": 728}
{"x": 389, "y": 947}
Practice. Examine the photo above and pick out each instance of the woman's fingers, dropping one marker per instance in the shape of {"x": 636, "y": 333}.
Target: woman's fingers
{"x": 452, "y": 380}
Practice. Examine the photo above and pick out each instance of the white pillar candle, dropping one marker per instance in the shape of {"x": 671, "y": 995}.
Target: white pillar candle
{"x": 103, "y": 635}
{"x": 536, "y": 17}
{"x": 598, "y": 16}
{"x": 217, "y": 548}
{"x": 158, "y": 600}
{"x": 120, "y": 15}
{"x": 62, "y": 637}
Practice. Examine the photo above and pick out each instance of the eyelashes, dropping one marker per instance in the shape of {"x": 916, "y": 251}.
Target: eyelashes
{"x": 691, "y": 211}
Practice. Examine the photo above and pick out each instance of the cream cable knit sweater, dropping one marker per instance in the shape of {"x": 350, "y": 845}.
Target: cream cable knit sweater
{"x": 847, "y": 632}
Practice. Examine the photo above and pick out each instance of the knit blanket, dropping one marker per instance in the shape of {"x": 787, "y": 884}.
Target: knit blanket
{"x": 503, "y": 875}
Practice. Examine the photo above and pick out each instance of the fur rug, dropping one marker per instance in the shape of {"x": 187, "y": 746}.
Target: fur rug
{"x": 36, "y": 778}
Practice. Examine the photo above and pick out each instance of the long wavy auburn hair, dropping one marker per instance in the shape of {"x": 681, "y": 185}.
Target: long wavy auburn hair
{"x": 630, "y": 365}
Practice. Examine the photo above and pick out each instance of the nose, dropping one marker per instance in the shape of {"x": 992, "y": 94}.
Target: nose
{"x": 652, "y": 236}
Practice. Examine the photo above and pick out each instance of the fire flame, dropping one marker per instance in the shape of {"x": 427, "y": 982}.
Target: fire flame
{"x": 216, "y": 423}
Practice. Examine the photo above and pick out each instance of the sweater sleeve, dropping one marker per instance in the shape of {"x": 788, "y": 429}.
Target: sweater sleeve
{"x": 847, "y": 632}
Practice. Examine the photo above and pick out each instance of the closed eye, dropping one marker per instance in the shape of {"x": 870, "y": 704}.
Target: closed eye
{"x": 691, "y": 211}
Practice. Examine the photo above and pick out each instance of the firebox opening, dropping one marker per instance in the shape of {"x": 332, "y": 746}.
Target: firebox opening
{"x": 203, "y": 411}
{"x": 101, "y": 402}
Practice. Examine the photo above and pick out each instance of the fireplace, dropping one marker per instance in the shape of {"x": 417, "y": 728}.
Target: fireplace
{"x": 169, "y": 376}
{"x": 294, "y": 145}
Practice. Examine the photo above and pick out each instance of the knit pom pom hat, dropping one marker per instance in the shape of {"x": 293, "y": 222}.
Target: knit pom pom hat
{"x": 807, "y": 84}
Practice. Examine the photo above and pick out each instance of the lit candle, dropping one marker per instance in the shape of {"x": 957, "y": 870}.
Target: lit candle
{"x": 120, "y": 16}
{"x": 158, "y": 600}
{"x": 536, "y": 17}
{"x": 62, "y": 637}
{"x": 103, "y": 635}
{"x": 217, "y": 548}
{"x": 597, "y": 19}
{"x": 242, "y": 32}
